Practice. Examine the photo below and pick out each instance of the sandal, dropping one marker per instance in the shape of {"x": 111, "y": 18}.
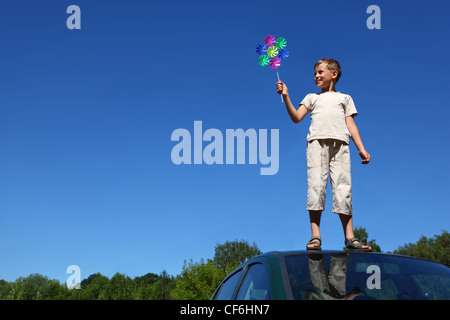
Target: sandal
{"x": 314, "y": 241}
{"x": 351, "y": 246}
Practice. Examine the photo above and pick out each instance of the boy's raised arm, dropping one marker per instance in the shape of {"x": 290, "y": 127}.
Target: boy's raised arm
{"x": 296, "y": 115}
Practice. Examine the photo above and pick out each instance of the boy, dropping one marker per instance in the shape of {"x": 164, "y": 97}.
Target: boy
{"x": 332, "y": 126}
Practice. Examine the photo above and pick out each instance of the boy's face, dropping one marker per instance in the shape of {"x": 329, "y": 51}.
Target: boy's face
{"x": 323, "y": 76}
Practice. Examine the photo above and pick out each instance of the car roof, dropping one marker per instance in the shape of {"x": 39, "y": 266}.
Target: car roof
{"x": 276, "y": 254}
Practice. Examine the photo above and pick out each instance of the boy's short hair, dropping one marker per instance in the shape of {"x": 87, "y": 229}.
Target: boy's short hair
{"x": 332, "y": 65}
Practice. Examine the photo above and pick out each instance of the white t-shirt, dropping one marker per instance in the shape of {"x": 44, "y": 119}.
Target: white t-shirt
{"x": 328, "y": 111}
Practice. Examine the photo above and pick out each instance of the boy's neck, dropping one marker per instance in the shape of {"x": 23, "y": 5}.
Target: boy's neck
{"x": 331, "y": 88}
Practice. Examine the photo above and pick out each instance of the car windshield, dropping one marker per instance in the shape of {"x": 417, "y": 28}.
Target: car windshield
{"x": 341, "y": 276}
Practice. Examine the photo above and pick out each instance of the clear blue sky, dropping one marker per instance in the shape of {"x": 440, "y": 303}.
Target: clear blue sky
{"x": 86, "y": 118}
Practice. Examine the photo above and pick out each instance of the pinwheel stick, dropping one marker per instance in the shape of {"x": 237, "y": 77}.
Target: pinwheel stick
{"x": 281, "y": 95}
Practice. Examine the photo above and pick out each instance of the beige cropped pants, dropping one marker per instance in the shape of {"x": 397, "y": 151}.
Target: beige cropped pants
{"x": 323, "y": 157}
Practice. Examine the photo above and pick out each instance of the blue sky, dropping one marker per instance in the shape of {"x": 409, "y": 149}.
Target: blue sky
{"x": 86, "y": 118}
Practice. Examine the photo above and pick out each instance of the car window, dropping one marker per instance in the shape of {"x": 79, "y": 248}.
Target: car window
{"x": 227, "y": 288}
{"x": 255, "y": 285}
{"x": 366, "y": 276}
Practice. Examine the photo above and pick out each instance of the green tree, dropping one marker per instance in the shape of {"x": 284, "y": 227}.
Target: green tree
{"x": 436, "y": 248}
{"x": 363, "y": 236}
{"x": 198, "y": 281}
{"x": 35, "y": 287}
{"x": 5, "y": 288}
{"x": 156, "y": 287}
{"x": 119, "y": 287}
{"x": 231, "y": 254}
{"x": 162, "y": 288}
{"x": 145, "y": 287}
{"x": 145, "y": 280}
{"x": 92, "y": 288}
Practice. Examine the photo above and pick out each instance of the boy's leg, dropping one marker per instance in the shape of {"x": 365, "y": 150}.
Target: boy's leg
{"x": 341, "y": 183}
{"x": 347, "y": 225}
{"x": 316, "y": 159}
{"x": 314, "y": 218}
{"x": 318, "y": 167}
{"x": 340, "y": 177}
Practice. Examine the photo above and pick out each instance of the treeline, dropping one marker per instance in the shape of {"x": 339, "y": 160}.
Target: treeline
{"x": 197, "y": 280}
{"x": 436, "y": 248}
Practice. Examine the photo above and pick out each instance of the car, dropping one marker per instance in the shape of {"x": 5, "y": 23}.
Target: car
{"x": 335, "y": 275}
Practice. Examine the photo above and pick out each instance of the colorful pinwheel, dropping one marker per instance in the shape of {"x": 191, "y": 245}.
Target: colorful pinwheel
{"x": 272, "y": 52}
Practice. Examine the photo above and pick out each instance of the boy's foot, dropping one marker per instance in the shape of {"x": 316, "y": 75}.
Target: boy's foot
{"x": 314, "y": 244}
{"x": 354, "y": 244}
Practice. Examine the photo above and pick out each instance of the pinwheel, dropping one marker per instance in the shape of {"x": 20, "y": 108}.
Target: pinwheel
{"x": 272, "y": 52}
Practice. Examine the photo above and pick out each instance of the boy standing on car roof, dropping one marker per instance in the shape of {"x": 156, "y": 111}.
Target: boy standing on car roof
{"x": 332, "y": 127}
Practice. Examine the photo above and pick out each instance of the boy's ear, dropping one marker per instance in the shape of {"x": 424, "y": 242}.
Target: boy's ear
{"x": 334, "y": 74}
